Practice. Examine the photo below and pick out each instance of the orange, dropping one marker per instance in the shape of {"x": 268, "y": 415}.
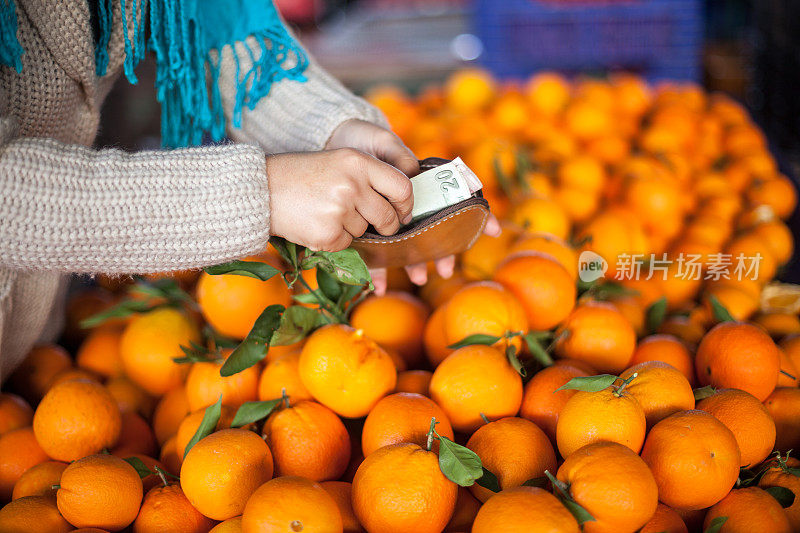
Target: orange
{"x": 788, "y": 376}
{"x": 778, "y": 192}
{"x": 416, "y": 381}
{"x": 469, "y": 89}
{"x": 791, "y": 345}
{"x": 467, "y": 507}
{"x": 130, "y": 397}
{"x": 204, "y": 385}
{"x": 346, "y": 371}
{"x": 752, "y": 256}
{"x": 608, "y": 415}
{"x": 784, "y": 406}
{"x": 585, "y": 120}
{"x": 778, "y": 324}
{"x": 149, "y": 344}
{"x": 281, "y": 375}
{"x": 402, "y": 417}
{"x": 595, "y": 332}
{"x": 99, "y": 352}
{"x": 435, "y": 337}
{"x": 33, "y": 376}
{"x": 33, "y": 514}
{"x": 231, "y": 303}
{"x": 748, "y": 420}
{"x": 100, "y": 491}
{"x": 778, "y": 237}
{"x": 694, "y": 459}
{"x": 19, "y": 451}
{"x": 541, "y": 215}
{"x": 660, "y": 389}
{"x": 170, "y": 412}
{"x": 524, "y": 509}
{"x": 739, "y": 303}
{"x": 543, "y": 287}
{"x": 480, "y": 261}
{"x": 550, "y": 245}
{"x": 513, "y": 449}
{"x": 341, "y": 492}
{"x": 667, "y": 349}
{"x": 633, "y": 311}
{"x": 438, "y": 290}
{"x": 325, "y": 449}
{"x": 152, "y": 480}
{"x": 686, "y": 330}
{"x": 166, "y": 508}
{"x": 403, "y": 332}
{"x": 221, "y": 471}
{"x": 738, "y": 356}
{"x": 387, "y": 476}
{"x": 76, "y": 419}
{"x": 777, "y": 476}
{"x": 750, "y": 510}
{"x": 613, "y": 484}
{"x": 291, "y": 504}
{"x": 135, "y": 437}
{"x": 540, "y": 403}
{"x": 38, "y": 480}
{"x": 169, "y": 457}
{"x": 582, "y": 172}
{"x": 189, "y": 425}
{"x": 232, "y": 525}
{"x": 665, "y": 520}
{"x": 14, "y": 412}
{"x": 71, "y": 374}
{"x": 548, "y": 92}
{"x": 611, "y": 233}
{"x": 473, "y": 381}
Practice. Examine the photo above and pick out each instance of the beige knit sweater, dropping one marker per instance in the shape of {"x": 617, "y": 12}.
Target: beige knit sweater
{"x": 67, "y": 208}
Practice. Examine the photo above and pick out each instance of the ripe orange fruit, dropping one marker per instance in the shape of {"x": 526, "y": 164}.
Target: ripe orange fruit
{"x": 165, "y": 508}
{"x": 389, "y": 474}
{"x": 72, "y": 374}
{"x": 778, "y": 324}
{"x": 291, "y": 504}
{"x": 541, "y": 215}
{"x": 778, "y": 237}
{"x": 19, "y": 451}
{"x": 403, "y": 332}
{"x": 38, "y": 480}
{"x": 438, "y": 290}
{"x": 149, "y": 344}
{"x": 33, "y": 514}
{"x": 469, "y": 90}
{"x": 777, "y": 192}
{"x": 14, "y": 412}
{"x": 548, "y": 93}
{"x": 76, "y": 419}
{"x": 750, "y": 510}
{"x": 784, "y": 406}
{"x": 204, "y": 385}
{"x": 341, "y": 492}
{"x": 346, "y": 371}
{"x": 694, "y": 459}
{"x": 130, "y": 397}
{"x": 665, "y": 520}
{"x": 667, "y": 349}
{"x": 608, "y": 415}
{"x": 473, "y": 381}
{"x": 543, "y": 287}
{"x": 100, "y": 491}
{"x": 595, "y": 332}
{"x": 281, "y": 375}
{"x": 99, "y": 352}
{"x": 414, "y": 381}
{"x": 33, "y": 376}
{"x": 402, "y": 417}
{"x": 435, "y": 337}
{"x": 169, "y": 457}
{"x": 221, "y": 471}
{"x": 480, "y": 261}
{"x": 684, "y": 329}
{"x": 660, "y": 389}
{"x": 738, "y": 356}
{"x": 189, "y": 425}
{"x": 466, "y": 510}
{"x": 135, "y": 437}
{"x": 231, "y": 303}
{"x": 788, "y": 375}
{"x": 524, "y": 509}
{"x": 738, "y": 301}
{"x": 547, "y": 244}
{"x": 514, "y": 449}
{"x": 748, "y": 420}
{"x": 326, "y": 445}
{"x": 614, "y": 232}
{"x": 777, "y": 476}
{"x": 540, "y": 403}
{"x": 152, "y": 480}
{"x": 232, "y": 525}
{"x": 617, "y": 502}
{"x": 170, "y": 412}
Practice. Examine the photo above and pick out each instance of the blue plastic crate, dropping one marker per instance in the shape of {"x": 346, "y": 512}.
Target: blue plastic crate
{"x": 658, "y": 38}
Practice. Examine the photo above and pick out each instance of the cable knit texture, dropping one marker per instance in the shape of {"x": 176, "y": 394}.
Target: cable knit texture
{"x": 67, "y": 208}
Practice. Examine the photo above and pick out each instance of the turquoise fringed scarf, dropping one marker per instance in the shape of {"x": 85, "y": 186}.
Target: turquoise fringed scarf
{"x": 182, "y": 33}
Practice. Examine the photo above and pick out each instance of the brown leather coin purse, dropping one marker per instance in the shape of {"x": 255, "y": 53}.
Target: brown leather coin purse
{"x": 449, "y": 231}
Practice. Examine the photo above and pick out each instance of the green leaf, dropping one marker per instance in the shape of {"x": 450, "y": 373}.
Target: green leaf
{"x": 784, "y": 496}
{"x": 716, "y": 525}
{"x": 589, "y": 383}
{"x": 123, "y": 309}
{"x": 297, "y": 323}
{"x": 287, "y": 250}
{"x": 217, "y": 339}
{"x": 511, "y": 355}
{"x": 348, "y": 293}
{"x": 459, "y": 464}
{"x": 580, "y": 514}
{"x": 207, "y": 425}
{"x": 250, "y": 269}
{"x": 538, "y": 353}
{"x": 488, "y": 480}
{"x": 345, "y": 265}
{"x": 166, "y": 288}
{"x": 656, "y": 314}
{"x": 328, "y": 285}
{"x": 704, "y": 392}
{"x": 254, "y": 347}
{"x": 196, "y": 353}
{"x": 721, "y": 314}
{"x": 140, "y": 467}
{"x": 749, "y": 477}
{"x": 251, "y": 412}
{"x": 478, "y": 338}
{"x": 540, "y": 482}
{"x": 310, "y": 298}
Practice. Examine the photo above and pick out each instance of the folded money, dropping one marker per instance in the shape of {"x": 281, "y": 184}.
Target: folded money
{"x": 442, "y": 187}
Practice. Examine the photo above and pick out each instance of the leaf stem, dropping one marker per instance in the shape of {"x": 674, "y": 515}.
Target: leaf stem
{"x": 336, "y": 313}
{"x": 621, "y": 388}
{"x": 162, "y": 476}
{"x": 285, "y": 398}
{"x": 431, "y": 433}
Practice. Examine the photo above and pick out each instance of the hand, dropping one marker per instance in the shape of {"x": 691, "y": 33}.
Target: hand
{"x": 322, "y": 200}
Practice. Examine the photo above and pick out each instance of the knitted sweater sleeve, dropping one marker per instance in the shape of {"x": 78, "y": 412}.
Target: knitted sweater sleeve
{"x": 69, "y": 208}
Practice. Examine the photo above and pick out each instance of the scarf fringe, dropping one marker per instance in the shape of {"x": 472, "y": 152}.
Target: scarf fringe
{"x": 10, "y": 49}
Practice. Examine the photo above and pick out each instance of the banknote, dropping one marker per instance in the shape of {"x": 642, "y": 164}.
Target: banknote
{"x": 441, "y": 187}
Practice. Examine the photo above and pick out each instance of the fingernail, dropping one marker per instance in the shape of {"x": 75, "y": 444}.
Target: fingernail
{"x": 406, "y": 219}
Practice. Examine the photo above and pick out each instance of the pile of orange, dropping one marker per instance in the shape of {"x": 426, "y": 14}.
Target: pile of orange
{"x": 681, "y": 435}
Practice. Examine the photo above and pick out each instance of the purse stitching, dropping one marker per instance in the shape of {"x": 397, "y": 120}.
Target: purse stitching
{"x": 445, "y": 219}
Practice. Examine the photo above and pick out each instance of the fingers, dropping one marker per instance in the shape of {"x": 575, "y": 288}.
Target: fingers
{"x": 392, "y": 185}
{"x": 379, "y": 280}
{"x": 355, "y": 224}
{"x": 378, "y": 212}
{"x": 492, "y": 228}
{"x": 389, "y": 148}
{"x": 418, "y": 274}
{"x": 446, "y": 266}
